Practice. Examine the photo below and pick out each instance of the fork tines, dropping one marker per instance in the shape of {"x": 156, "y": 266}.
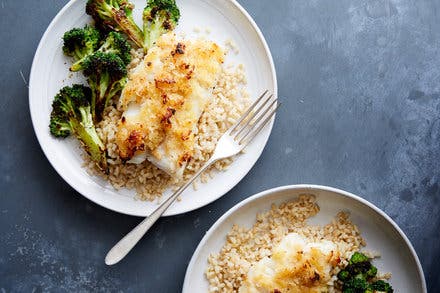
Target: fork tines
{"x": 255, "y": 118}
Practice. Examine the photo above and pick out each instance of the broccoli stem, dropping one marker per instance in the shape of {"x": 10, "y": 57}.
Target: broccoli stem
{"x": 78, "y": 65}
{"x": 130, "y": 28}
{"x": 155, "y": 31}
{"x": 85, "y": 131}
{"x": 102, "y": 93}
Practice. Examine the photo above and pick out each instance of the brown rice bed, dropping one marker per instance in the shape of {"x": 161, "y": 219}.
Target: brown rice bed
{"x": 228, "y": 268}
{"x": 229, "y": 102}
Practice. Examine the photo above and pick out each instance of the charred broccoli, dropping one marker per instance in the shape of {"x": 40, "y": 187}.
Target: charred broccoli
{"x": 117, "y": 44}
{"x": 107, "y": 75}
{"x": 115, "y": 15}
{"x": 359, "y": 274}
{"x": 358, "y": 264}
{"x": 382, "y": 286}
{"x": 113, "y": 43}
{"x": 159, "y": 17}
{"x": 356, "y": 285}
{"x": 344, "y": 275}
{"x": 81, "y": 42}
{"x": 358, "y": 257}
{"x": 71, "y": 113}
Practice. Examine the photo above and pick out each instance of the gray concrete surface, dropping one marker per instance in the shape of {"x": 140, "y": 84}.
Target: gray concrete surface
{"x": 360, "y": 83}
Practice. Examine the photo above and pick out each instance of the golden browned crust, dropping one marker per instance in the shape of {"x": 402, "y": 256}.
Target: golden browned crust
{"x": 172, "y": 85}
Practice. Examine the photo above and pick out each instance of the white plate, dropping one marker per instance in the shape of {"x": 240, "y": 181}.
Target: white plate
{"x": 226, "y": 20}
{"x": 379, "y": 231}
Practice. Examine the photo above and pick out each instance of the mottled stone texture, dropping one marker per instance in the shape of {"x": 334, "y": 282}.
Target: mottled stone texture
{"x": 360, "y": 86}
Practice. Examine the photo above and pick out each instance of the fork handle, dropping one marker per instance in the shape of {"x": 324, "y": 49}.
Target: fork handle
{"x": 123, "y": 247}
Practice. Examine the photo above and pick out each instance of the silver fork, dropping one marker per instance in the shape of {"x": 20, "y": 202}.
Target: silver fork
{"x": 232, "y": 142}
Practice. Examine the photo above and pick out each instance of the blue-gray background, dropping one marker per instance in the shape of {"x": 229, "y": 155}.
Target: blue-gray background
{"x": 360, "y": 86}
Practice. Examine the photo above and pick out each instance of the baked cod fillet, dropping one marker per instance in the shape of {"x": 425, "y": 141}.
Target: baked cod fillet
{"x": 296, "y": 266}
{"x": 163, "y": 100}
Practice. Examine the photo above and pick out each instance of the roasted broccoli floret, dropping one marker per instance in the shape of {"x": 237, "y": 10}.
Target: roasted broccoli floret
{"x": 81, "y": 42}
{"x": 358, "y": 257}
{"x": 359, "y": 268}
{"x": 372, "y": 271}
{"x": 358, "y": 264}
{"x": 117, "y": 44}
{"x": 71, "y": 114}
{"x": 356, "y": 285}
{"x": 113, "y": 43}
{"x": 357, "y": 276}
{"x": 159, "y": 16}
{"x": 115, "y": 15}
{"x": 344, "y": 275}
{"x": 382, "y": 286}
{"x": 107, "y": 75}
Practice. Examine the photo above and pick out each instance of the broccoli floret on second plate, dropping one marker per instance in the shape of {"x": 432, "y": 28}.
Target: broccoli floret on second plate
{"x": 358, "y": 257}
{"x": 382, "y": 286}
{"x": 357, "y": 284}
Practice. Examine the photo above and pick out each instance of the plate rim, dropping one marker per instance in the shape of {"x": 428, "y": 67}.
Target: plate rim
{"x": 126, "y": 211}
{"x": 254, "y": 197}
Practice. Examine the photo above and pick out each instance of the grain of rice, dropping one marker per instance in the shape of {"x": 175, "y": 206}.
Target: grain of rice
{"x": 231, "y": 46}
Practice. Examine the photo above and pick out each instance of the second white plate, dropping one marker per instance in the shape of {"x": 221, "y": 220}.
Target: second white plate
{"x": 226, "y": 20}
{"x": 379, "y": 231}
